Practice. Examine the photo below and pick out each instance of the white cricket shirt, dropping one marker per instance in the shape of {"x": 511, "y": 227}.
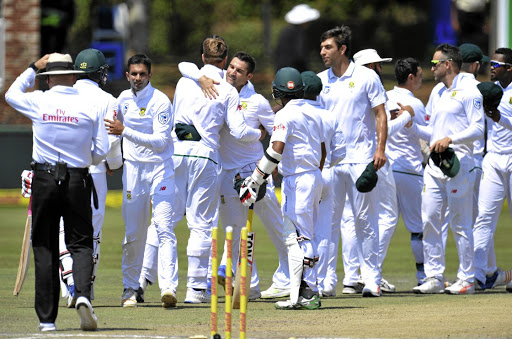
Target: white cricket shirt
{"x": 148, "y": 120}
{"x": 468, "y": 79}
{"x": 352, "y": 97}
{"x": 108, "y": 106}
{"x": 299, "y": 126}
{"x": 403, "y": 147}
{"x": 256, "y": 111}
{"x": 209, "y": 116}
{"x": 499, "y": 134}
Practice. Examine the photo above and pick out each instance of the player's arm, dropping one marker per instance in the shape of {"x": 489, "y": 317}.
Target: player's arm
{"x": 190, "y": 70}
{"x": 162, "y": 126}
{"x": 404, "y": 116}
{"x": 324, "y": 154}
{"x": 100, "y": 142}
{"x": 379, "y": 157}
{"x": 265, "y": 167}
{"x": 114, "y": 157}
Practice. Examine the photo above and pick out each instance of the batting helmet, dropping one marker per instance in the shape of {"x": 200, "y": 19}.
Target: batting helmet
{"x": 287, "y": 83}
{"x": 93, "y": 63}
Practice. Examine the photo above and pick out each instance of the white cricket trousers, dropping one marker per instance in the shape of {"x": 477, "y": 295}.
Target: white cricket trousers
{"x": 495, "y": 186}
{"x": 456, "y": 194}
{"x": 366, "y": 219}
{"x": 197, "y": 195}
{"x": 323, "y": 233}
{"x": 145, "y": 184}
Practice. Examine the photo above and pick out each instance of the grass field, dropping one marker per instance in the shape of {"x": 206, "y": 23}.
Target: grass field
{"x": 404, "y": 314}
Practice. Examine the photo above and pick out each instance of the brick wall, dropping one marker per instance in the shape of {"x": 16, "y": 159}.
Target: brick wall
{"x": 22, "y": 27}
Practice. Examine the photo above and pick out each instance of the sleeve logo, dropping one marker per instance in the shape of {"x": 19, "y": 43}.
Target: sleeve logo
{"x": 163, "y": 118}
{"x": 477, "y": 103}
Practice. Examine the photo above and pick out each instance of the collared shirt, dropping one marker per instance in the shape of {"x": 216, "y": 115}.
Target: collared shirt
{"x": 459, "y": 115}
{"x": 499, "y": 134}
{"x": 108, "y": 105}
{"x": 148, "y": 120}
{"x": 66, "y": 125}
{"x": 403, "y": 147}
{"x": 299, "y": 126}
{"x": 256, "y": 111}
{"x": 468, "y": 79}
{"x": 209, "y": 116}
{"x": 352, "y": 97}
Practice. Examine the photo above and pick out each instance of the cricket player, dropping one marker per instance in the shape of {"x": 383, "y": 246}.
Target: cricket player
{"x": 297, "y": 147}
{"x": 404, "y": 154}
{"x": 495, "y": 185}
{"x": 198, "y": 164}
{"x": 457, "y": 121}
{"x": 145, "y": 123}
{"x": 90, "y": 84}
{"x": 352, "y": 92}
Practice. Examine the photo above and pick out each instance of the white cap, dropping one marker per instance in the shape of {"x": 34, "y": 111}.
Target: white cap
{"x": 301, "y": 14}
{"x": 367, "y": 56}
{"x": 59, "y": 64}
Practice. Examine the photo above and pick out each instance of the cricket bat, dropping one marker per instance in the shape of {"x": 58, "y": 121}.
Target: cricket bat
{"x": 250, "y": 257}
{"x": 25, "y": 252}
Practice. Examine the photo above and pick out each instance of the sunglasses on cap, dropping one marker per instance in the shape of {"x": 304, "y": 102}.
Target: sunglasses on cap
{"x": 497, "y": 64}
{"x": 434, "y": 63}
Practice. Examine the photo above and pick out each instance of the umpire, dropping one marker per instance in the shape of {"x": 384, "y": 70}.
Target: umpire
{"x": 68, "y": 136}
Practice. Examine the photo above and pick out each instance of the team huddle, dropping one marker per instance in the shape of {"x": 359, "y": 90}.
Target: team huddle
{"x": 352, "y": 156}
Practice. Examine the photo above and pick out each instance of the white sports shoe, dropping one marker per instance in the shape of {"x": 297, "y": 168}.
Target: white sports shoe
{"x": 88, "y": 320}
{"x": 169, "y": 299}
{"x": 197, "y": 297}
{"x": 461, "y": 287}
{"x": 274, "y": 292}
{"x": 47, "y": 327}
{"x": 385, "y": 286}
{"x": 431, "y": 285}
{"x": 356, "y": 289}
{"x": 129, "y": 298}
{"x": 499, "y": 278}
{"x": 371, "y": 292}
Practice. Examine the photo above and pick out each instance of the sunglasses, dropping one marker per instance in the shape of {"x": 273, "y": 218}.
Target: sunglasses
{"x": 496, "y": 64}
{"x": 434, "y": 63}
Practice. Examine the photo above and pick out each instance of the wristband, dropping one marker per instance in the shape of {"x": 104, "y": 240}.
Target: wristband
{"x": 33, "y": 66}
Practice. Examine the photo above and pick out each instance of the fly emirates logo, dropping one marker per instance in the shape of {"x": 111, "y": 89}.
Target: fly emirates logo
{"x": 59, "y": 116}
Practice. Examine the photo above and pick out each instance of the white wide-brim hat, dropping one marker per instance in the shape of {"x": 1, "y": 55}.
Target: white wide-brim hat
{"x": 367, "y": 56}
{"x": 301, "y": 14}
{"x": 60, "y": 64}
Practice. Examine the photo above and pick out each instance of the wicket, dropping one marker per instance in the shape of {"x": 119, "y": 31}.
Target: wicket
{"x": 229, "y": 283}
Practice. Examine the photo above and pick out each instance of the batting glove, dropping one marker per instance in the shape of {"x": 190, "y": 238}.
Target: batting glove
{"x": 26, "y": 183}
{"x": 249, "y": 191}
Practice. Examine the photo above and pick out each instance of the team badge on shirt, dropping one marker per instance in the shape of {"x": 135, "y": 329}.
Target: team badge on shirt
{"x": 244, "y": 105}
{"x": 477, "y": 103}
{"x": 129, "y": 195}
{"x": 142, "y": 111}
{"x": 328, "y": 88}
{"x": 454, "y": 93}
{"x": 163, "y": 117}
{"x": 125, "y": 107}
{"x": 510, "y": 101}
{"x": 351, "y": 84}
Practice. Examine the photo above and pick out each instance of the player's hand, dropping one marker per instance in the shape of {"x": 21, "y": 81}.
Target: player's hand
{"x": 249, "y": 192}
{"x": 207, "y": 85}
{"x": 440, "y": 145}
{"x": 407, "y": 108}
{"x": 26, "y": 183}
{"x": 493, "y": 113}
{"x": 114, "y": 127}
{"x": 41, "y": 63}
{"x": 379, "y": 159}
